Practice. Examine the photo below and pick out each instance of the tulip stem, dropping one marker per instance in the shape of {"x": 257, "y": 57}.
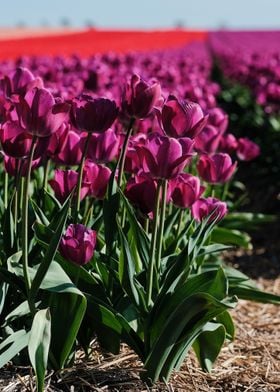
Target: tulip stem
{"x": 6, "y": 183}
{"x": 151, "y": 266}
{"x": 46, "y": 174}
{"x": 225, "y": 191}
{"x": 163, "y": 184}
{"x": 25, "y": 199}
{"x": 80, "y": 177}
{"x": 180, "y": 220}
{"x": 121, "y": 161}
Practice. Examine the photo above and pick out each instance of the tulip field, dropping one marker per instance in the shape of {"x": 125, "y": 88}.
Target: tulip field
{"x": 130, "y": 183}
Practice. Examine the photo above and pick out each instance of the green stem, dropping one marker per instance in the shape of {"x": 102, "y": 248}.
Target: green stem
{"x": 153, "y": 247}
{"x": 79, "y": 184}
{"x": 6, "y": 190}
{"x": 121, "y": 161}
{"x": 164, "y": 184}
{"x": 25, "y": 199}
{"x": 46, "y": 173}
{"x": 146, "y": 224}
{"x": 225, "y": 191}
{"x": 180, "y": 219}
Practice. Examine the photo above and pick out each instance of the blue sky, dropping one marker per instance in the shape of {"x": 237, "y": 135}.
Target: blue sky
{"x": 143, "y": 13}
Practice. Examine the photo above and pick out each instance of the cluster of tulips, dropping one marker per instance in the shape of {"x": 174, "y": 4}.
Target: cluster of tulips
{"x": 112, "y": 198}
{"x": 252, "y": 59}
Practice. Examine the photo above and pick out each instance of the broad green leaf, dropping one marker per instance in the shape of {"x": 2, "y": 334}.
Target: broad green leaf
{"x": 223, "y": 235}
{"x": 226, "y": 319}
{"x": 179, "y": 331}
{"x": 208, "y": 344}
{"x": 12, "y": 345}
{"x": 140, "y": 236}
{"x": 39, "y": 344}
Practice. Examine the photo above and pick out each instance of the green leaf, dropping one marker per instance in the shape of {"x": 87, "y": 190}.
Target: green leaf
{"x": 140, "y": 237}
{"x": 179, "y": 330}
{"x": 39, "y": 344}
{"x": 12, "y": 345}
{"x": 110, "y": 210}
{"x": 223, "y": 235}
{"x": 226, "y": 319}
{"x": 208, "y": 344}
{"x": 51, "y": 251}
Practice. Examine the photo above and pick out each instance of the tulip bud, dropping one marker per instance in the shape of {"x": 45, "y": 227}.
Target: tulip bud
{"x": 247, "y": 150}
{"x": 202, "y": 208}
{"x": 78, "y": 244}
{"x": 186, "y": 190}
{"x": 216, "y": 169}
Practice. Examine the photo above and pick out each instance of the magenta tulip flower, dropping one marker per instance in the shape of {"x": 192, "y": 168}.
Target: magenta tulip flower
{"x": 93, "y": 114}
{"x": 77, "y": 244}
{"x": 103, "y": 147}
{"x": 14, "y": 166}
{"x": 247, "y": 150}
{"x": 202, "y": 208}
{"x": 39, "y": 114}
{"x": 208, "y": 140}
{"x": 70, "y": 148}
{"x": 218, "y": 118}
{"x": 140, "y": 98}
{"x": 15, "y": 141}
{"x": 19, "y": 82}
{"x": 186, "y": 189}
{"x": 181, "y": 118}
{"x": 216, "y": 169}
{"x": 96, "y": 177}
{"x": 165, "y": 157}
{"x": 141, "y": 192}
{"x": 228, "y": 143}
{"x": 63, "y": 184}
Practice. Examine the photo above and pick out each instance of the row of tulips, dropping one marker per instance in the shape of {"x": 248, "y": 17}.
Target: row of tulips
{"x": 112, "y": 211}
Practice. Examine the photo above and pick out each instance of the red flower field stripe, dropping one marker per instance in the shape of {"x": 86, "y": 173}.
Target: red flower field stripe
{"x": 94, "y": 41}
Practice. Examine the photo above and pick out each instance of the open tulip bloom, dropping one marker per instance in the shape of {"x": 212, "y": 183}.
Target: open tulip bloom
{"x": 113, "y": 210}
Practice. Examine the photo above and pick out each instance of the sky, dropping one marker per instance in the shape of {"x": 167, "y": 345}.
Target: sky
{"x": 144, "y": 14}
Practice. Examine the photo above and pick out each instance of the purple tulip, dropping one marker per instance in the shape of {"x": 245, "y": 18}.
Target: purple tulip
{"x": 96, "y": 178}
{"x": 14, "y": 166}
{"x": 93, "y": 114}
{"x": 140, "y": 98}
{"x": 15, "y": 141}
{"x": 247, "y": 150}
{"x": 70, "y": 148}
{"x": 208, "y": 140}
{"x": 216, "y": 169}
{"x": 19, "y": 82}
{"x": 78, "y": 244}
{"x": 218, "y": 118}
{"x": 186, "y": 189}
{"x": 181, "y": 118}
{"x": 103, "y": 147}
{"x": 63, "y": 184}
{"x": 39, "y": 114}
{"x": 165, "y": 157}
{"x": 202, "y": 208}
{"x": 228, "y": 143}
{"x": 141, "y": 192}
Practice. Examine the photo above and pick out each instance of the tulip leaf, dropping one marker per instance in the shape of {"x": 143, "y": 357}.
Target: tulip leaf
{"x": 139, "y": 235}
{"x": 39, "y": 344}
{"x": 208, "y": 344}
{"x": 110, "y": 210}
{"x": 226, "y": 236}
{"x": 12, "y": 345}
{"x": 179, "y": 330}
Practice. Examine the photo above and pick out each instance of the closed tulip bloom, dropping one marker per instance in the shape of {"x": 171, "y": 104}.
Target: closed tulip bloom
{"x": 39, "y": 114}
{"x": 186, "y": 189}
{"x": 202, "y": 208}
{"x": 208, "y": 140}
{"x": 165, "y": 157}
{"x": 19, "y": 82}
{"x": 93, "y": 114}
{"x": 141, "y": 192}
{"x": 247, "y": 150}
{"x": 15, "y": 141}
{"x": 228, "y": 143}
{"x": 103, "y": 147}
{"x": 181, "y": 118}
{"x": 15, "y": 167}
{"x": 96, "y": 177}
{"x": 63, "y": 184}
{"x": 216, "y": 169}
{"x": 140, "y": 98}
{"x": 218, "y": 118}
{"x": 70, "y": 148}
{"x": 77, "y": 244}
